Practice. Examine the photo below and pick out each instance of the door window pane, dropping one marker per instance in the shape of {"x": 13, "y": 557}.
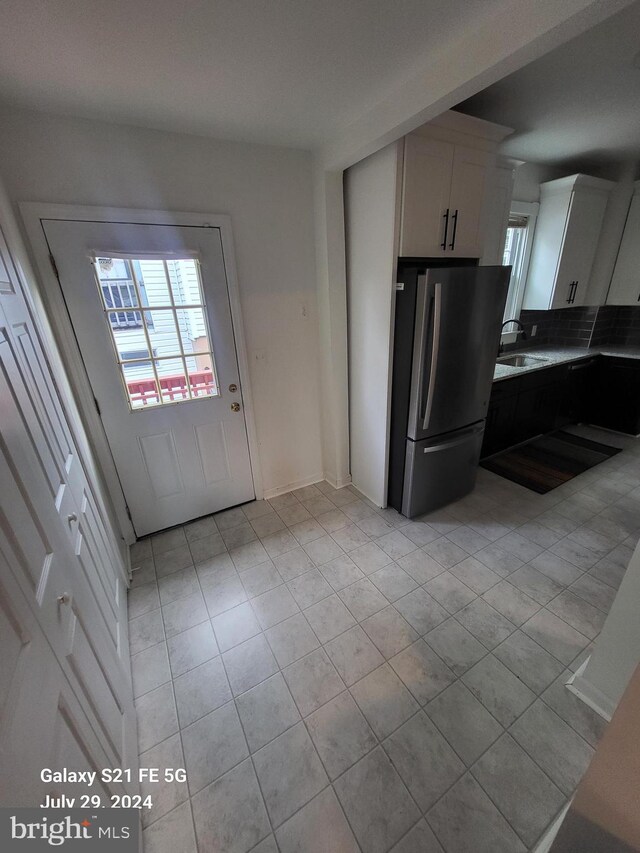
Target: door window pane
{"x": 164, "y": 354}
{"x": 185, "y": 282}
{"x": 152, "y": 279}
{"x": 173, "y": 380}
{"x": 193, "y": 330}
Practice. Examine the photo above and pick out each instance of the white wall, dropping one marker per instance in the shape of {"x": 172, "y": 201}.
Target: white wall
{"x": 529, "y": 176}
{"x": 371, "y": 220}
{"x": 268, "y": 193}
{"x": 332, "y": 310}
{"x": 617, "y": 649}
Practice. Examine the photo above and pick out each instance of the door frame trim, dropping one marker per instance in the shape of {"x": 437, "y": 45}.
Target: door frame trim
{"x": 33, "y": 213}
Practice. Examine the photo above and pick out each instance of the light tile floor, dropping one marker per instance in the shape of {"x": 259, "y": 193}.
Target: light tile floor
{"x": 335, "y": 678}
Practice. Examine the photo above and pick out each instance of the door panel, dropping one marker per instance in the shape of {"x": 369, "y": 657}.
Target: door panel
{"x": 188, "y": 458}
{"x": 55, "y": 555}
{"x": 64, "y": 598}
{"x": 42, "y": 723}
{"x": 458, "y": 315}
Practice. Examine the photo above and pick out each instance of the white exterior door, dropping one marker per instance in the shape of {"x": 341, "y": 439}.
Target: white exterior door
{"x": 150, "y": 310}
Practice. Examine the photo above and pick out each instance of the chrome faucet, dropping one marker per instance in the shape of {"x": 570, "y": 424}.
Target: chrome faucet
{"x": 519, "y": 331}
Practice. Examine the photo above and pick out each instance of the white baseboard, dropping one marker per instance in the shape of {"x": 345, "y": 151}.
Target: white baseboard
{"x": 290, "y": 487}
{"x": 589, "y": 694}
{"x": 548, "y": 838}
{"x": 338, "y": 482}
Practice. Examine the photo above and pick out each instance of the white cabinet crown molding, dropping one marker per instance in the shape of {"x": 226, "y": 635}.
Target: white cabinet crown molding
{"x": 456, "y": 122}
{"x": 572, "y": 182}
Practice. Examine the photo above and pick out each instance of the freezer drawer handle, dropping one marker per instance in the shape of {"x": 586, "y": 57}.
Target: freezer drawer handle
{"x": 435, "y": 348}
{"x": 454, "y": 442}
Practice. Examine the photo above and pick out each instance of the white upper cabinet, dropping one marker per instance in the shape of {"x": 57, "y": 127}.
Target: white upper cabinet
{"x": 625, "y": 284}
{"x": 449, "y": 166}
{"x": 428, "y": 164}
{"x": 469, "y": 181}
{"x": 569, "y": 224}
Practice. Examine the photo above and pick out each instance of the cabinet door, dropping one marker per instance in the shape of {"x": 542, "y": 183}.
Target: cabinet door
{"x": 536, "y": 411}
{"x": 466, "y": 202}
{"x": 584, "y": 223}
{"x": 428, "y": 164}
{"x": 497, "y": 204}
{"x": 616, "y": 395}
{"x": 625, "y": 284}
{"x": 498, "y": 433}
{"x": 581, "y": 378}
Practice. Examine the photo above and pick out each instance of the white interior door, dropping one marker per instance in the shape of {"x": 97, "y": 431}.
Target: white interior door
{"x": 65, "y": 683}
{"x": 150, "y": 310}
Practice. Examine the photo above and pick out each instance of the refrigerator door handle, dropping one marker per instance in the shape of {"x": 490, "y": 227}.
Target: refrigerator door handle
{"x": 417, "y": 370}
{"x": 435, "y": 349}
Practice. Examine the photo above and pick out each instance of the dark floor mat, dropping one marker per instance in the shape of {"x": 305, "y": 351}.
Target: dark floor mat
{"x": 549, "y": 461}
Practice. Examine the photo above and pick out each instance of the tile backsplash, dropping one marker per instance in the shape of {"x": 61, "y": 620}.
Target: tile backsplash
{"x": 617, "y": 325}
{"x": 583, "y": 326}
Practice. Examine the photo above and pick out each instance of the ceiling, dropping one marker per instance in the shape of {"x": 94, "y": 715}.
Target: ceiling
{"x": 289, "y": 72}
{"x": 579, "y": 105}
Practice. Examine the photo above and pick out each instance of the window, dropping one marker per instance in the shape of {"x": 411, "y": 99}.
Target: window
{"x": 155, "y": 312}
{"x": 517, "y": 250}
{"x": 118, "y": 291}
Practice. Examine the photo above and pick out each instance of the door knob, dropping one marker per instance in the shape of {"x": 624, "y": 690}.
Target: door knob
{"x": 65, "y": 598}
{"x": 72, "y": 517}
{"x": 235, "y": 407}
{"x": 233, "y": 388}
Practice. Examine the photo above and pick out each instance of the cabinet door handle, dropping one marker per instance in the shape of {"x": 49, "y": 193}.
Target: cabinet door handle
{"x": 575, "y": 291}
{"x": 455, "y": 228}
{"x": 572, "y": 295}
{"x": 443, "y": 245}
{"x": 569, "y": 296}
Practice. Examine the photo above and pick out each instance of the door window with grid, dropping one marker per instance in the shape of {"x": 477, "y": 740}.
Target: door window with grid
{"x": 155, "y": 312}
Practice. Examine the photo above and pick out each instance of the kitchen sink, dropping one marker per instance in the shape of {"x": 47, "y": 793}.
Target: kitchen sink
{"x": 521, "y": 360}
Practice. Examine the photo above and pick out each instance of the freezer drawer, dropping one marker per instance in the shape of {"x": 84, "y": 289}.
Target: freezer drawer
{"x": 440, "y": 470}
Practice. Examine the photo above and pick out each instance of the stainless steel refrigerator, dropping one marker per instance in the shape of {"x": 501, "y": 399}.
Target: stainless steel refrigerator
{"x": 447, "y": 332}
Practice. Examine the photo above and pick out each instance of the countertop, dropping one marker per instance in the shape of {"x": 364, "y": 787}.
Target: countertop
{"x": 554, "y": 356}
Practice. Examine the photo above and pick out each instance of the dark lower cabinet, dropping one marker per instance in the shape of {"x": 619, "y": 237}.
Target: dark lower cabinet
{"x": 538, "y": 403}
{"x": 601, "y": 390}
{"x": 615, "y": 395}
{"x": 576, "y": 392}
{"x": 500, "y": 416}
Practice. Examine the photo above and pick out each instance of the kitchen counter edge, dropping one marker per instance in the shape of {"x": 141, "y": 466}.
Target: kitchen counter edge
{"x": 560, "y": 355}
